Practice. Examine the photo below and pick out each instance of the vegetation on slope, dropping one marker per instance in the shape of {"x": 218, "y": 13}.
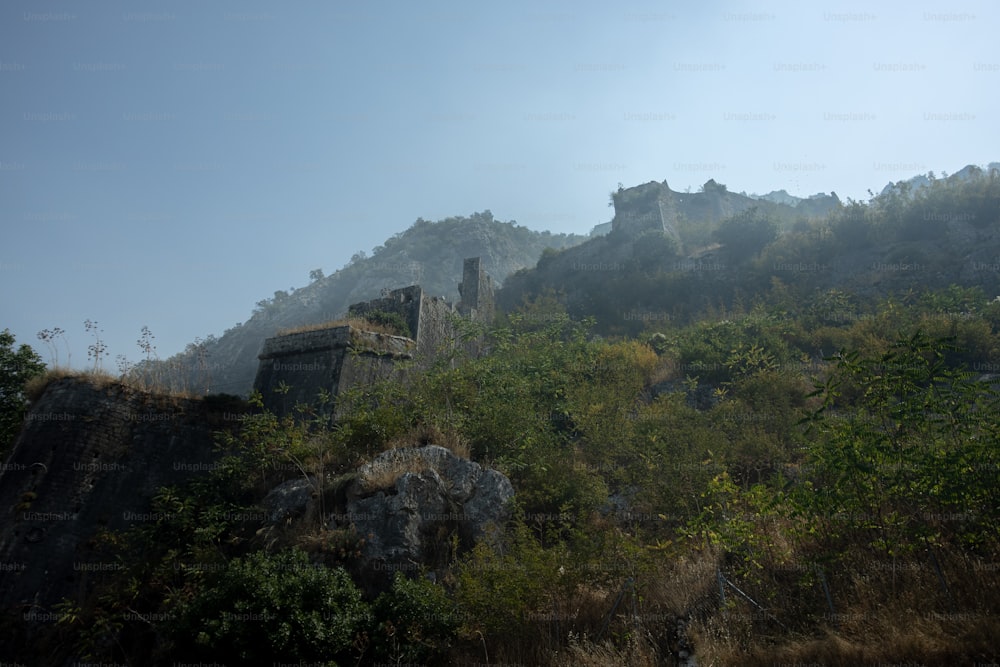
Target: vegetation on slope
{"x": 775, "y": 471}
{"x": 428, "y": 253}
{"x": 846, "y": 506}
{"x": 898, "y": 244}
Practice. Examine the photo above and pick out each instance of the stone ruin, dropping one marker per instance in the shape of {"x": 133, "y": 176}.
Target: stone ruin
{"x": 315, "y": 367}
{"x": 90, "y": 458}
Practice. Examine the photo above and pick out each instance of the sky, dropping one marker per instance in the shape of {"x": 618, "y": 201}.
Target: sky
{"x": 169, "y": 164}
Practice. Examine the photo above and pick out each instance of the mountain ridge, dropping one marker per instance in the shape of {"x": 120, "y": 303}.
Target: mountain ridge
{"x": 654, "y": 228}
{"x": 427, "y": 253}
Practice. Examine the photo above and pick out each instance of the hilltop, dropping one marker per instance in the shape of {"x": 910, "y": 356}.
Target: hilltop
{"x": 779, "y": 446}
{"x": 675, "y": 257}
{"x": 428, "y": 253}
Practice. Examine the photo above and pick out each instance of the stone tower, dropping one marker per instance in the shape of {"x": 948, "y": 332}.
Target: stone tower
{"x": 651, "y": 207}
{"x": 476, "y": 291}
{"x": 298, "y": 368}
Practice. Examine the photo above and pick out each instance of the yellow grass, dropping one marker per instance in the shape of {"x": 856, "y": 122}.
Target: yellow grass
{"x": 356, "y": 322}
{"x": 429, "y": 434}
{"x": 37, "y": 385}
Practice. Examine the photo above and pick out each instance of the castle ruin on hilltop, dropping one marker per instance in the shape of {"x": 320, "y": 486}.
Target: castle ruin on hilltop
{"x": 315, "y": 367}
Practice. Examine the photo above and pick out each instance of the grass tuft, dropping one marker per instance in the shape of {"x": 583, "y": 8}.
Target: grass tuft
{"x": 356, "y": 322}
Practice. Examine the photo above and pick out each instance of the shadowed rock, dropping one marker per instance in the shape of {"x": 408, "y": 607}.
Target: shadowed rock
{"x": 409, "y": 502}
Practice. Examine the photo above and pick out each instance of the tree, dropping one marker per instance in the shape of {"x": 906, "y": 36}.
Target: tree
{"x": 316, "y": 274}
{"x": 268, "y": 607}
{"x": 16, "y": 368}
{"x": 746, "y": 235}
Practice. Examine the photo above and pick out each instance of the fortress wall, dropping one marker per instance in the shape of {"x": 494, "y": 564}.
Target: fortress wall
{"x": 299, "y": 368}
{"x": 405, "y": 302}
{"x": 477, "y": 291}
{"x": 90, "y": 458}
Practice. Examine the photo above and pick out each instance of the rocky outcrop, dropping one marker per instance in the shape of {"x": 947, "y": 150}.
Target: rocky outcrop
{"x": 289, "y": 500}
{"x": 90, "y": 457}
{"x": 409, "y": 502}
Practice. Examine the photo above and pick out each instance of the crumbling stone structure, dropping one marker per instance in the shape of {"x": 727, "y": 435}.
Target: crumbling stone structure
{"x": 427, "y": 317}
{"x": 651, "y": 207}
{"x": 476, "y": 291}
{"x": 300, "y": 368}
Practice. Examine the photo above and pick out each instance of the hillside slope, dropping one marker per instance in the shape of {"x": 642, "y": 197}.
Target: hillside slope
{"x": 677, "y": 257}
{"x": 428, "y": 253}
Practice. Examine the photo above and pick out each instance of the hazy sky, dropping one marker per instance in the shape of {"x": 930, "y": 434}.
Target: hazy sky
{"x": 171, "y": 163}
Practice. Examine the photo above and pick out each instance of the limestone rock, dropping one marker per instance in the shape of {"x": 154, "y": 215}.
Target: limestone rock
{"x": 408, "y": 502}
{"x": 289, "y": 499}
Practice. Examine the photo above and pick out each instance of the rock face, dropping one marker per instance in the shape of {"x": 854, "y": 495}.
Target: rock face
{"x": 89, "y": 458}
{"x": 408, "y": 503}
{"x": 289, "y": 500}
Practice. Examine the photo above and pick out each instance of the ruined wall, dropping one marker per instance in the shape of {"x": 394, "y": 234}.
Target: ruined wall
{"x": 90, "y": 458}
{"x": 651, "y": 207}
{"x": 325, "y": 361}
{"x": 405, "y": 302}
{"x": 477, "y": 292}
{"x": 299, "y": 368}
{"x": 437, "y": 334}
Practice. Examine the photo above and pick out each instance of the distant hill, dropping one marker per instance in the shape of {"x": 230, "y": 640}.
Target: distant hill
{"x": 655, "y": 230}
{"x": 428, "y": 253}
{"x": 914, "y": 184}
{"x": 668, "y": 257}
{"x": 676, "y": 257}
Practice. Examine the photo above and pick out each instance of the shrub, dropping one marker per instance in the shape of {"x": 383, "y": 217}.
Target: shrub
{"x": 267, "y": 608}
{"x": 417, "y": 622}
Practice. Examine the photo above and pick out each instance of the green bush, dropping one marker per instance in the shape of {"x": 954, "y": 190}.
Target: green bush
{"x": 417, "y": 622}
{"x": 911, "y": 460}
{"x": 392, "y": 321}
{"x": 266, "y": 608}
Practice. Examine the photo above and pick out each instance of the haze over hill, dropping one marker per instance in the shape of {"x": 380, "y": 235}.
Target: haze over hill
{"x": 428, "y": 253}
{"x": 657, "y": 231}
{"x": 174, "y": 162}
{"x": 674, "y": 257}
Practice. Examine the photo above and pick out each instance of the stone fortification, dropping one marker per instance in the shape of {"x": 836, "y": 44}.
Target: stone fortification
{"x": 302, "y": 368}
{"x": 476, "y": 290}
{"x": 645, "y": 208}
{"x": 299, "y": 368}
{"x": 91, "y": 458}
{"x": 429, "y": 318}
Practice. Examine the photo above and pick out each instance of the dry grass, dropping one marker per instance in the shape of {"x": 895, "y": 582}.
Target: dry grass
{"x": 584, "y": 653}
{"x": 885, "y": 612}
{"x": 37, "y": 385}
{"x": 355, "y": 322}
{"x": 430, "y": 434}
{"x": 385, "y": 475}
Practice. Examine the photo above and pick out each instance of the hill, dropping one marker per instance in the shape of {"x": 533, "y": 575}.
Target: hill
{"x": 708, "y": 483}
{"x": 428, "y": 253}
{"x": 676, "y": 257}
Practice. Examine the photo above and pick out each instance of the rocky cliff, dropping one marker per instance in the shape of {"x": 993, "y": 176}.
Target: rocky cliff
{"x": 89, "y": 458}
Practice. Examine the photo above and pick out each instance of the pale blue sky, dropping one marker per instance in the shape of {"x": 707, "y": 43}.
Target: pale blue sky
{"x": 171, "y": 163}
